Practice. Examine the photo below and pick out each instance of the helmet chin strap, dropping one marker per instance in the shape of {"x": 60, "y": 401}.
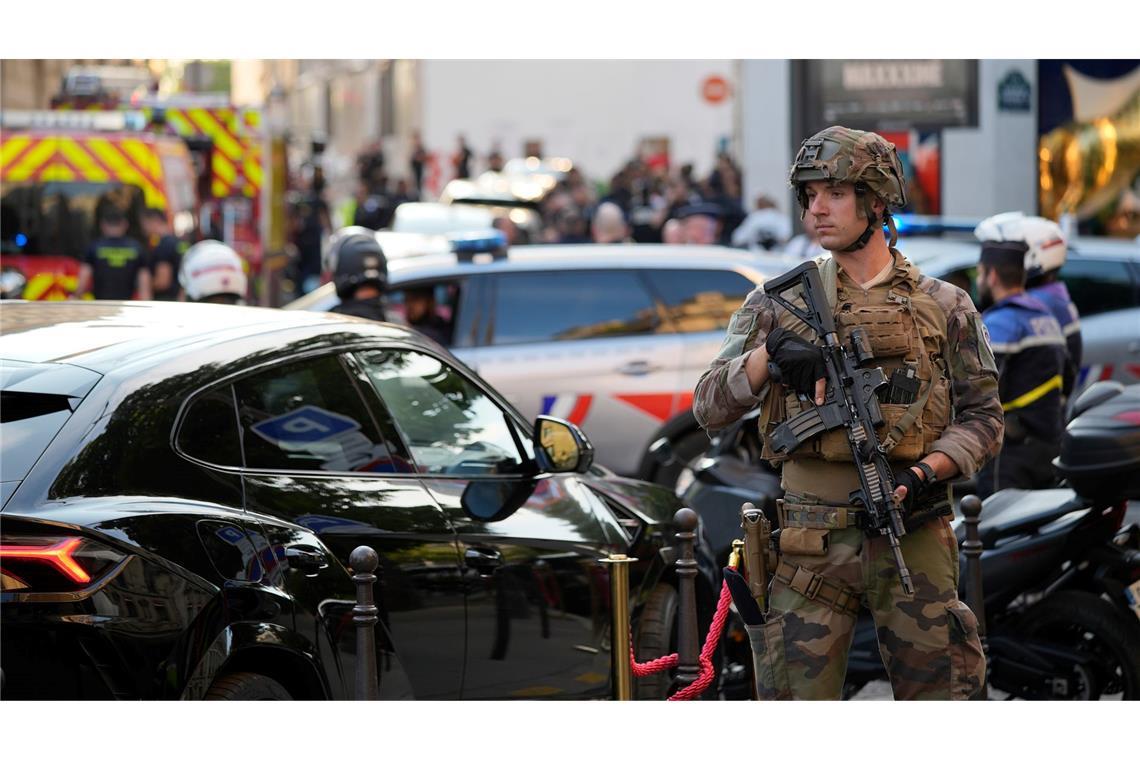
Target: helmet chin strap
{"x": 873, "y": 223}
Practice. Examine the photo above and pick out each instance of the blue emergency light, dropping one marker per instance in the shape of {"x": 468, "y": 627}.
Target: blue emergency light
{"x": 917, "y": 224}
{"x": 21, "y": 239}
{"x": 465, "y": 245}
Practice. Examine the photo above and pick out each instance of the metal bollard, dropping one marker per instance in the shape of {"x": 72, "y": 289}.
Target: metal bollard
{"x": 619, "y": 625}
{"x": 364, "y": 562}
{"x": 688, "y": 644}
{"x": 971, "y": 507}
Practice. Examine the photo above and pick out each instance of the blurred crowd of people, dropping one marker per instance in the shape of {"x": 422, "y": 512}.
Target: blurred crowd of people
{"x": 646, "y": 201}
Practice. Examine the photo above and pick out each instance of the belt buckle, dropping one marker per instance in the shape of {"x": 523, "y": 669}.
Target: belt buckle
{"x": 813, "y": 584}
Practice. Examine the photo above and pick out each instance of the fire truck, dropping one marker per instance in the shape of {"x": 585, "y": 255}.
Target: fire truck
{"x": 226, "y": 143}
{"x": 58, "y": 170}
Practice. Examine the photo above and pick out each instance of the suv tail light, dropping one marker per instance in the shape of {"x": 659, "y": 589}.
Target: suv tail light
{"x": 61, "y": 563}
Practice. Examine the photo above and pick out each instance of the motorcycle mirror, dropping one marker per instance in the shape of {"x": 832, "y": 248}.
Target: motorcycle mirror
{"x": 662, "y": 451}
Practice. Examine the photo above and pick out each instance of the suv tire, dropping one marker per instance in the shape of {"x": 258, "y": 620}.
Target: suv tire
{"x": 247, "y": 686}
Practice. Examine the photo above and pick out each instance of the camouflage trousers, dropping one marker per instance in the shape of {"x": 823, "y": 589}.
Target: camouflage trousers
{"x": 928, "y": 642}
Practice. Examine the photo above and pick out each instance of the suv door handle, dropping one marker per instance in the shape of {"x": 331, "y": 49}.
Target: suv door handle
{"x": 638, "y": 367}
{"x": 484, "y": 560}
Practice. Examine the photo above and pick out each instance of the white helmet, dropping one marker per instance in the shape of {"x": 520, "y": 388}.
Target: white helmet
{"x": 1044, "y": 238}
{"x": 210, "y": 268}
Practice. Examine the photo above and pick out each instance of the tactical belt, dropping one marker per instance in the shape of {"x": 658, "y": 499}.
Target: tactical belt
{"x": 824, "y": 517}
{"x": 833, "y": 594}
{"x": 819, "y": 516}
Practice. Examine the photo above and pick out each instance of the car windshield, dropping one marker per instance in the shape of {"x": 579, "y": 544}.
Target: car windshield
{"x": 58, "y": 218}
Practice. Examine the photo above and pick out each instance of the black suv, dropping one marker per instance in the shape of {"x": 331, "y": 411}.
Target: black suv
{"x": 183, "y": 484}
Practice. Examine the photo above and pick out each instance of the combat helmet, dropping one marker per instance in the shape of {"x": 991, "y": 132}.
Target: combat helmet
{"x": 865, "y": 159}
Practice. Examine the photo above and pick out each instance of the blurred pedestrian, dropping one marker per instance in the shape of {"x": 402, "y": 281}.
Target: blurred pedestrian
{"x": 360, "y": 274}
{"x": 212, "y": 272}
{"x": 418, "y": 162}
{"x": 495, "y": 161}
{"x": 370, "y": 165}
{"x": 609, "y": 225}
{"x": 1030, "y": 354}
{"x": 115, "y": 266}
{"x": 764, "y": 228}
{"x": 165, "y": 254}
{"x": 700, "y": 223}
{"x": 462, "y": 160}
{"x": 672, "y": 233}
{"x": 421, "y": 313}
{"x": 310, "y": 224}
{"x": 1046, "y": 252}
{"x": 509, "y": 229}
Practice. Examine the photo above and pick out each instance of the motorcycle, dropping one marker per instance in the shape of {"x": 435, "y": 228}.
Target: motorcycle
{"x": 1060, "y": 569}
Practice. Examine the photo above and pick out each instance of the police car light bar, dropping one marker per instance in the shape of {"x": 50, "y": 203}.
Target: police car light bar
{"x": 99, "y": 121}
{"x": 915, "y": 224}
{"x": 466, "y": 245}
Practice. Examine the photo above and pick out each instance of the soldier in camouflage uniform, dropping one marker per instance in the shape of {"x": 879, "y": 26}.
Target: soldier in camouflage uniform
{"x": 946, "y": 422}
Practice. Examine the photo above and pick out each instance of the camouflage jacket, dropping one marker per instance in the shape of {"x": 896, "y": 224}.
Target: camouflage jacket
{"x": 723, "y": 393}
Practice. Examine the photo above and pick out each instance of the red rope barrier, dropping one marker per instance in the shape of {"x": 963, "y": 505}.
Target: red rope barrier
{"x": 670, "y": 660}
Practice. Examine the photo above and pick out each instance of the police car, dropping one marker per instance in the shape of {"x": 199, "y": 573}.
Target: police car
{"x": 610, "y": 337}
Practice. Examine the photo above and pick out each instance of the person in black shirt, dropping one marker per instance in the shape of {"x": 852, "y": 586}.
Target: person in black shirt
{"x": 165, "y": 254}
{"x": 462, "y": 160}
{"x": 115, "y": 266}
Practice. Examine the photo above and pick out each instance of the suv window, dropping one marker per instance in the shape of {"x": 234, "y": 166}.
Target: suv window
{"x": 450, "y": 426}
{"x": 699, "y": 300}
{"x": 309, "y": 416}
{"x": 28, "y": 423}
{"x": 532, "y": 307}
{"x": 1099, "y": 286}
{"x": 209, "y": 429}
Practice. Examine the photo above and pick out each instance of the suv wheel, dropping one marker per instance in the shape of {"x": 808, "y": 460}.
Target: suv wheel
{"x": 247, "y": 686}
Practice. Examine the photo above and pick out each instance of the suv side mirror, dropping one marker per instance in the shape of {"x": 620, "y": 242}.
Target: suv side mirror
{"x": 560, "y": 446}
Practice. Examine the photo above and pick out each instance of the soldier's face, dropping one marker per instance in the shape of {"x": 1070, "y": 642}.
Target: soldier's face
{"x": 833, "y": 211}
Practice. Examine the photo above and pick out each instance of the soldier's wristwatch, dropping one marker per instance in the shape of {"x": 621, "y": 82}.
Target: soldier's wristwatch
{"x": 930, "y": 476}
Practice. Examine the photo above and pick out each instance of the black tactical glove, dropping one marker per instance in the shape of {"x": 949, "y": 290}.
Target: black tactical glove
{"x": 916, "y": 488}
{"x": 794, "y": 361}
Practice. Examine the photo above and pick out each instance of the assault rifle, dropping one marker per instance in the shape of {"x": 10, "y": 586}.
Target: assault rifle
{"x": 850, "y": 403}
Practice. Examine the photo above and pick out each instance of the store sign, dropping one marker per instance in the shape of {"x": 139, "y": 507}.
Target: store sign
{"x": 1014, "y": 92}
{"x": 890, "y": 94}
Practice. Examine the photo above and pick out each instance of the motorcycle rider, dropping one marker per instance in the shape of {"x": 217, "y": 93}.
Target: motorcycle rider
{"x": 212, "y": 272}
{"x": 1030, "y": 354}
{"x": 1044, "y": 259}
{"x": 360, "y": 273}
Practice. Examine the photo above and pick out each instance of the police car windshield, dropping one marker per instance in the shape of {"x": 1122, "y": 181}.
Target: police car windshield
{"x": 58, "y": 218}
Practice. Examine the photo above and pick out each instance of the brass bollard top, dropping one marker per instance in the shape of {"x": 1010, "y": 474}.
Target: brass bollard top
{"x": 971, "y": 506}
{"x": 363, "y": 560}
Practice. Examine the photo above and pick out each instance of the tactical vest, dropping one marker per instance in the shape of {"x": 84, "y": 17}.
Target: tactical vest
{"x": 907, "y": 331}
